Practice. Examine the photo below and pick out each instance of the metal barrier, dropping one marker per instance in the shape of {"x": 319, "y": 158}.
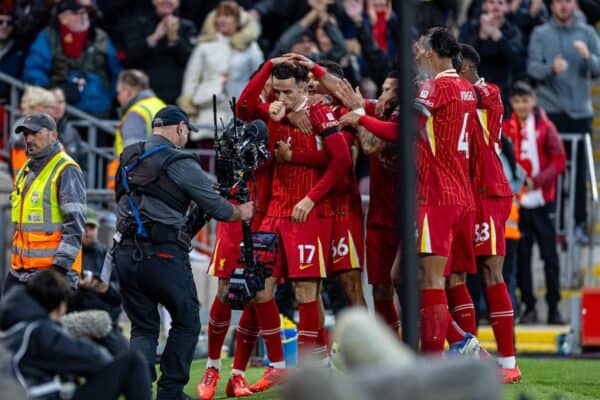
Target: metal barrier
{"x": 573, "y": 265}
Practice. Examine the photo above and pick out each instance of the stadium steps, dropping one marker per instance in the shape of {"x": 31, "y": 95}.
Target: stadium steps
{"x": 529, "y": 338}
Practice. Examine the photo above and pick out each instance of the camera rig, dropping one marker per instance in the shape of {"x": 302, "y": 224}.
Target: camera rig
{"x": 241, "y": 149}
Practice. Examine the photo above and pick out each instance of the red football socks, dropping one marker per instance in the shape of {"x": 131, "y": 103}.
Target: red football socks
{"x": 501, "y": 318}
{"x": 267, "y": 315}
{"x": 455, "y": 333}
{"x": 245, "y": 338}
{"x": 387, "y": 310}
{"x": 218, "y": 324}
{"x": 434, "y": 320}
{"x": 322, "y": 349}
{"x": 308, "y": 329}
{"x": 462, "y": 308}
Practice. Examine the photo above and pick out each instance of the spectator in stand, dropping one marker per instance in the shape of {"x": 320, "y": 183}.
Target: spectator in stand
{"x": 316, "y": 27}
{"x": 499, "y": 43}
{"x": 32, "y": 16}
{"x": 78, "y": 57}
{"x": 93, "y": 294}
{"x": 226, "y": 56}
{"x": 526, "y": 15}
{"x": 160, "y": 45}
{"x": 45, "y": 355}
{"x": 540, "y": 152}
{"x": 67, "y": 134}
{"x": 564, "y": 55}
{"x": 11, "y": 51}
{"x": 34, "y": 100}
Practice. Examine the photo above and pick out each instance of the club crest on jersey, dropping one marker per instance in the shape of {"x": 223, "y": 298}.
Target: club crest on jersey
{"x": 35, "y": 197}
{"x": 330, "y": 116}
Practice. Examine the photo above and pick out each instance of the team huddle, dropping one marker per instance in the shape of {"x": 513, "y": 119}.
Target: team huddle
{"x": 307, "y": 193}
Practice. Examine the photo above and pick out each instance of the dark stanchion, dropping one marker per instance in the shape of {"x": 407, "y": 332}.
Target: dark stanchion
{"x": 409, "y": 289}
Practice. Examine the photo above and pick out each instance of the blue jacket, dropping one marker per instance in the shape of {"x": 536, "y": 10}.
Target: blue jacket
{"x": 11, "y": 62}
{"x": 98, "y": 93}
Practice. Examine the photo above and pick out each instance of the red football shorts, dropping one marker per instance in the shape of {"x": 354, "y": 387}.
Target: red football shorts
{"x": 382, "y": 244}
{"x": 226, "y": 254}
{"x": 436, "y": 226}
{"x": 462, "y": 255}
{"x": 302, "y": 252}
{"x": 489, "y": 232}
{"x": 347, "y": 245}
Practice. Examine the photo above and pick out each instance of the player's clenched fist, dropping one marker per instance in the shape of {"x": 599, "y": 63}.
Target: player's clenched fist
{"x": 302, "y": 209}
{"x": 283, "y": 151}
{"x": 277, "y": 110}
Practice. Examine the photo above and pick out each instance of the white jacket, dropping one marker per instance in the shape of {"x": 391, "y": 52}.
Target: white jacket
{"x": 215, "y": 67}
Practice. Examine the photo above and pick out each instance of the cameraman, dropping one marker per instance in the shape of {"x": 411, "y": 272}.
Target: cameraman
{"x": 153, "y": 241}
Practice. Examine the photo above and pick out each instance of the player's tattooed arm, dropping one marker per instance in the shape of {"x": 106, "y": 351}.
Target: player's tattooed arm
{"x": 370, "y": 143}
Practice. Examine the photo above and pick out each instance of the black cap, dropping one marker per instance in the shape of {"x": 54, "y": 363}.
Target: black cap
{"x": 35, "y": 122}
{"x": 171, "y": 115}
{"x": 65, "y": 5}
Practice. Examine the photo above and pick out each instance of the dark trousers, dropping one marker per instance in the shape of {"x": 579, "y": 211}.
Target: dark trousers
{"x": 537, "y": 224}
{"x": 126, "y": 375}
{"x": 160, "y": 274}
{"x": 509, "y": 272}
{"x": 566, "y": 124}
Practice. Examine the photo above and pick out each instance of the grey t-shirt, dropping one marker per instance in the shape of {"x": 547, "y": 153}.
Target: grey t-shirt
{"x": 188, "y": 175}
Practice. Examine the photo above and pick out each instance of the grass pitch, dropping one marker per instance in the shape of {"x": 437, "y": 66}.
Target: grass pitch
{"x": 543, "y": 378}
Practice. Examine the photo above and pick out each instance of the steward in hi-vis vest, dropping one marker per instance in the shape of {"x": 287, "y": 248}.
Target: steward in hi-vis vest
{"x": 48, "y": 206}
{"x": 139, "y": 105}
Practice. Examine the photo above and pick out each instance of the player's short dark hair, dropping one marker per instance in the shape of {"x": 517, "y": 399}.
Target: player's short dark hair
{"x": 134, "y": 78}
{"x": 521, "y": 88}
{"x": 468, "y": 53}
{"x": 286, "y": 70}
{"x": 393, "y": 74}
{"x": 49, "y": 288}
{"x": 442, "y": 42}
{"x": 333, "y": 68}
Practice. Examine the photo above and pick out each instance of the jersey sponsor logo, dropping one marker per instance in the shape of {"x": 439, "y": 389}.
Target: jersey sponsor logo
{"x": 467, "y": 96}
{"x": 305, "y": 266}
{"x": 329, "y": 124}
{"x": 424, "y": 93}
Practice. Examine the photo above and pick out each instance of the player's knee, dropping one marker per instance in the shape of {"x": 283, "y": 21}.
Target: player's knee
{"x": 223, "y": 290}
{"x": 305, "y": 291}
{"x": 491, "y": 270}
{"x": 456, "y": 279}
{"x": 383, "y": 291}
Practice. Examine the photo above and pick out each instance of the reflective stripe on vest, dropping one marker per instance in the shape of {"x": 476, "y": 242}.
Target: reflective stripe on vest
{"x": 37, "y": 216}
{"x": 147, "y": 109}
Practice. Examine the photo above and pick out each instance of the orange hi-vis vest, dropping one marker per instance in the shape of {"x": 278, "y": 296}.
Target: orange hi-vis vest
{"x": 37, "y": 217}
{"x": 512, "y": 223}
{"x": 18, "y": 158}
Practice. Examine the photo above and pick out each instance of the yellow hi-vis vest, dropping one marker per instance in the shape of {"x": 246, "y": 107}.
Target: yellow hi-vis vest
{"x": 37, "y": 216}
{"x": 147, "y": 108}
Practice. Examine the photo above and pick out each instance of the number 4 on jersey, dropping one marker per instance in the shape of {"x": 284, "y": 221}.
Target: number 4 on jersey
{"x": 463, "y": 140}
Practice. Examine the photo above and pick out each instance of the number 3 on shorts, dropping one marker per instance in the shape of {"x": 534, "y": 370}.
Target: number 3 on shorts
{"x": 482, "y": 232}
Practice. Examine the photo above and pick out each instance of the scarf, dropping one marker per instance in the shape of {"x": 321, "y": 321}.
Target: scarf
{"x": 72, "y": 42}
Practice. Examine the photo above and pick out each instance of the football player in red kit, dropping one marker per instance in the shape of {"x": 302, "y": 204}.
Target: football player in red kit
{"x": 493, "y": 198}
{"x": 444, "y": 195}
{"x": 382, "y": 218}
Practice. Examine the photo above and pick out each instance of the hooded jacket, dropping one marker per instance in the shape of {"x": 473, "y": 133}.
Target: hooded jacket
{"x": 47, "y": 349}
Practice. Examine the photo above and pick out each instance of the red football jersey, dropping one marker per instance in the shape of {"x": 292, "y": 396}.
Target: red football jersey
{"x": 383, "y": 185}
{"x": 445, "y": 103}
{"x": 292, "y": 182}
{"x": 487, "y": 173}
